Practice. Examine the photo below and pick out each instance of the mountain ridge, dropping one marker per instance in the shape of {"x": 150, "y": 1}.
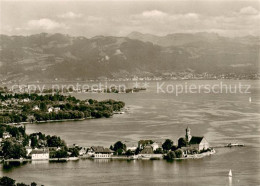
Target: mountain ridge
{"x": 58, "y": 56}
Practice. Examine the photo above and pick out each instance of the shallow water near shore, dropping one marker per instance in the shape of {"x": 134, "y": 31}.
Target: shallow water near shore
{"x": 221, "y": 118}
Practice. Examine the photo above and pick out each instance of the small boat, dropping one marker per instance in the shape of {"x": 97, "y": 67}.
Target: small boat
{"x": 121, "y": 112}
{"x": 134, "y": 157}
{"x": 230, "y": 173}
{"x": 234, "y": 145}
{"x": 250, "y": 100}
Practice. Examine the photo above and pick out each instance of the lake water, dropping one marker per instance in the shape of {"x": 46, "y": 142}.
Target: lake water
{"x": 222, "y": 118}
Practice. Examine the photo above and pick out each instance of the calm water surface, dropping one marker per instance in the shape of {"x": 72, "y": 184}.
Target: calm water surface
{"x": 221, "y": 118}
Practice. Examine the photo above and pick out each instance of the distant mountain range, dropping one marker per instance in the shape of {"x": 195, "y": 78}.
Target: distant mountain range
{"x": 57, "y": 56}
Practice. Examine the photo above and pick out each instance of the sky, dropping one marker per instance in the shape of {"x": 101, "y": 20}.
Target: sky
{"x": 119, "y": 18}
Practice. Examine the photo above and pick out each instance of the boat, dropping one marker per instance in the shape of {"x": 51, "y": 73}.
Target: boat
{"x": 134, "y": 157}
{"x": 121, "y": 112}
{"x": 230, "y": 173}
{"x": 73, "y": 158}
{"x": 234, "y": 145}
{"x": 250, "y": 100}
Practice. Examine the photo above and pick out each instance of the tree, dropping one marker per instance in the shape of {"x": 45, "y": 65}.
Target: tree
{"x": 54, "y": 141}
{"x": 60, "y": 154}
{"x": 13, "y": 149}
{"x": 33, "y": 184}
{"x": 74, "y": 152}
{"x": 137, "y": 150}
{"x": 158, "y": 151}
{"x": 170, "y": 155}
{"x": 167, "y": 145}
{"x": 178, "y": 153}
{"x": 119, "y": 145}
{"x": 6, "y": 181}
{"x": 119, "y": 148}
{"x": 34, "y": 141}
{"x": 91, "y": 101}
{"x": 182, "y": 142}
{"x": 129, "y": 153}
{"x": 21, "y": 184}
{"x": 143, "y": 143}
{"x": 43, "y": 106}
{"x": 174, "y": 147}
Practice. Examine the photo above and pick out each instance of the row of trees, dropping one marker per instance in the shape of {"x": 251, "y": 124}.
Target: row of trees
{"x": 14, "y": 147}
{"x": 6, "y": 181}
{"x": 14, "y": 131}
{"x": 172, "y": 150}
{"x": 168, "y": 148}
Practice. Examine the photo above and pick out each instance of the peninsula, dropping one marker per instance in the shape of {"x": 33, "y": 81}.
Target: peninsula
{"x": 31, "y": 108}
{"x": 16, "y": 145}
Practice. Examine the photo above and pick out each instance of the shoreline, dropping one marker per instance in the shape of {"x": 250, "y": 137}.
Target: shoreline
{"x": 96, "y": 80}
{"x": 195, "y": 156}
{"x": 49, "y": 121}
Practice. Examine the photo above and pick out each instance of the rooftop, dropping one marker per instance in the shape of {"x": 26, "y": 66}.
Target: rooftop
{"x": 196, "y": 139}
{"x": 40, "y": 151}
{"x": 100, "y": 149}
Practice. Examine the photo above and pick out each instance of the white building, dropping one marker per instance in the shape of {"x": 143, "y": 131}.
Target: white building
{"x": 156, "y": 145}
{"x": 40, "y": 154}
{"x": 131, "y": 147}
{"x": 26, "y": 100}
{"x": 82, "y": 151}
{"x": 53, "y": 109}
{"x": 6, "y": 135}
{"x": 36, "y": 107}
{"x": 195, "y": 143}
{"x": 28, "y": 150}
{"x": 56, "y": 109}
{"x": 50, "y": 109}
{"x": 199, "y": 143}
{"x": 100, "y": 152}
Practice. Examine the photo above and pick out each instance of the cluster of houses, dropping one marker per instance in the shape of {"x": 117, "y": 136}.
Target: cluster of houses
{"x": 147, "y": 149}
{"x": 50, "y": 109}
{"x": 15, "y": 101}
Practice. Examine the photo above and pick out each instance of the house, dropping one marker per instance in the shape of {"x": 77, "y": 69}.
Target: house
{"x": 100, "y": 152}
{"x": 143, "y": 143}
{"x": 6, "y": 135}
{"x": 147, "y": 153}
{"x": 131, "y": 147}
{"x": 53, "y": 149}
{"x": 156, "y": 145}
{"x": 28, "y": 150}
{"x": 147, "y": 150}
{"x": 199, "y": 143}
{"x": 195, "y": 143}
{"x": 40, "y": 154}
{"x": 82, "y": 151}
{"x": 53, "y": 109}
{"x": 26, "y": 100}
{"x": 36, "y": 107}
{"x": 50, "y": 109}
{"x": 56, "y": 109}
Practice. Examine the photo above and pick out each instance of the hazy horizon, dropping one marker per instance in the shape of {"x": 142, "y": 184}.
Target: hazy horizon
{"x": 119, "y": 18}
{"x": 194, "y": 33}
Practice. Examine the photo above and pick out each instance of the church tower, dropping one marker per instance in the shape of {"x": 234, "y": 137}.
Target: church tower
{"x": 188, "y": 135}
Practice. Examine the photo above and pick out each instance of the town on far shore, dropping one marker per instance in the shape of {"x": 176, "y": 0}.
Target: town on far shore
{"x": 16, "y": 145}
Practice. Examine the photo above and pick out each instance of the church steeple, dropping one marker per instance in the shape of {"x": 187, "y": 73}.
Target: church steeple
{"x": 188, "y": 135}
